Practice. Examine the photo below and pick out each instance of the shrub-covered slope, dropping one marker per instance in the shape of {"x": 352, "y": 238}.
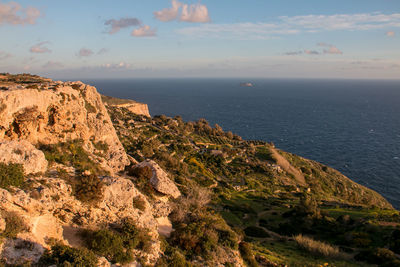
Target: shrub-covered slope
{"x": 265, "y": 195}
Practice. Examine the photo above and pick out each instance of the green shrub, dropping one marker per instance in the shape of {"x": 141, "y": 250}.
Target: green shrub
{"x": 11, "y": 175}
{"x": 107, "y": 243}
{"x": 101, "y": 146}
{"x": 141, "y": 172}
{"x": 196, "y": 238}
{"x": 14, "y": 224}
{"x": 247, "y": 254}
{"x": 71, "y": 154}
{"x": 255, "y": 231}
{"x": 88, "y": 189}
{"x": 381, "y": 256}
{"x": 116, "y": 245}
{"x": 263, "y": 153}
{"x": 177, "y": 259}
{"x": 139, "y": 203}
{"x": 133, "y": 236}
{"x": 142, "y": 181}
{"x": 62, "y": 255}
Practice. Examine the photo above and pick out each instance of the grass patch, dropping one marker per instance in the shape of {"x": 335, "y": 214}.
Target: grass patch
{"x": 317, "y": 248}
{"x": 71, "y": 154}
{"x": 11, "y": 175}
{"x": 263, "y": 153}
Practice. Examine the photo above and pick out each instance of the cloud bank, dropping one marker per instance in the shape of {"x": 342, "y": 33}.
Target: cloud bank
{"x": 84, "y": 52}
{"x": 40, "y": 48}
{"x": 390, "y": 34}
{"x": 196, "y": 13}
{"x": 144, "y": 31}
{"x": 13, "y": 13}
{"x": 285, "y": 25}
{"x": 4, "y": 55}
{"x": 117, "y": 25}
{"x": 329, "y": 49}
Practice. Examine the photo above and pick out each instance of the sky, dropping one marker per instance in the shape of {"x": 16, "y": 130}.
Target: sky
{"x": 91, "y": 39}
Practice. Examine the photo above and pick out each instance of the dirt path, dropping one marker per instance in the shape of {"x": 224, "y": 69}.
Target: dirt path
{"x": 285, "y": 165}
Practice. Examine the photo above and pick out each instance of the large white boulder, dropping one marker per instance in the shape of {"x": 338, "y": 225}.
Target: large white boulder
{"x": 23, "y": 152}
{"x": 160, "y": 180}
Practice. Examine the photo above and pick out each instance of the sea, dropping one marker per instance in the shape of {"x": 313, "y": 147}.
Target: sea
{"x": 350, "y": 125}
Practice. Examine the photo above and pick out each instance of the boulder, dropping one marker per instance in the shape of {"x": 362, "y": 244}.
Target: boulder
{"x": 160, "y": 180}
{"x": 23, "y": 152}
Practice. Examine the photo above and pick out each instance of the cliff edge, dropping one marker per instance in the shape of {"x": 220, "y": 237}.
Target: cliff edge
{"x": 44, "y": 112}
{"x": 131, "y": 105}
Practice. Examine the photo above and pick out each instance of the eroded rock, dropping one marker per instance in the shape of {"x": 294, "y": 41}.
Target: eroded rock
{"x": 23, "y": 152}
{"x": 60, "y": 112}
{"x": 160, "y": 180}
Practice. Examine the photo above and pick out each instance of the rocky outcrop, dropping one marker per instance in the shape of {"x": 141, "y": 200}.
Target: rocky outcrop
{"x": 23, "y": 152}
{"x": 160, "y": 180}
{"x": 56, "y": 213}
{"x": 52, "y": 112}
{"x": 137, "y": 108}
{"x": 131, "y": 105}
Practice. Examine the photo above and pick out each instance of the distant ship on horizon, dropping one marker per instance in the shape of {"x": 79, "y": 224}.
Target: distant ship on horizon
{"x": 248, "y": 84}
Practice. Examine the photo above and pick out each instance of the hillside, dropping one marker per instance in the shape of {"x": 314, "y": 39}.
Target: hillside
{"x": 86, "y": 181}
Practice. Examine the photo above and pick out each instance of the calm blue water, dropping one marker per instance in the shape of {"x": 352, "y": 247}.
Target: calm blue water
{"x": 353, "y": 126}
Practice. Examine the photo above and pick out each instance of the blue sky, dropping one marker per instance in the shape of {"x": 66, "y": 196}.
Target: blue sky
{"x": 224, "y": 38}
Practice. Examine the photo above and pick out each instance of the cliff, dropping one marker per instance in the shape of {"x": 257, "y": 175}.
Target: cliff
{"x": 45, "y": 112}
{"x": 83, "y": 183}
{"x": 131, "y": 105}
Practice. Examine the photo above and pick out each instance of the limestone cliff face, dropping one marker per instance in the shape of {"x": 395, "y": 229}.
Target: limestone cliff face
{"x": 53, "y": 112}
{"x": 137, "y": 108}
{"x": 131, "y": 105}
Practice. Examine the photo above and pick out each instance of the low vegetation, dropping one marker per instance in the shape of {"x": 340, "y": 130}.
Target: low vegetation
{"x": 11, "y": 175}
{"x": 117, "y": 244}
{"x": 316, "y": 247}
{"x": 87, "y": 188}
{"x": 235, "y": 193}
{"x": 71, "y": 154}
{"x": 62, "y": 255}
{"x": 14, "y": 224}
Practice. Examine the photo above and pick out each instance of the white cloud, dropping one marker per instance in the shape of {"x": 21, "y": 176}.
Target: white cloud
{"x": 52, "y": 65}
{"x": 291, "y": 25}
{"x": 117, "y": 25}
{"x": 333, "y": 50}
{"x": 197, "y": 13}
{"x": 84, "y": 52}
{"x": 4, "y": 55}
{"x": 311, "y": 52}
{"x": 241, "y": 31}
{"x": 169, "y": 14}
{"x": 13, "y": 13}
{"x": 293, "y": 53}
{"x": 121, "y": 65}
{"x": 40, "y": 48}
{"x": 363, "y": 21}
{"x": 390, "y": 34}
{"x": 102, "y": 51}
{"x": 144, "y": 31}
